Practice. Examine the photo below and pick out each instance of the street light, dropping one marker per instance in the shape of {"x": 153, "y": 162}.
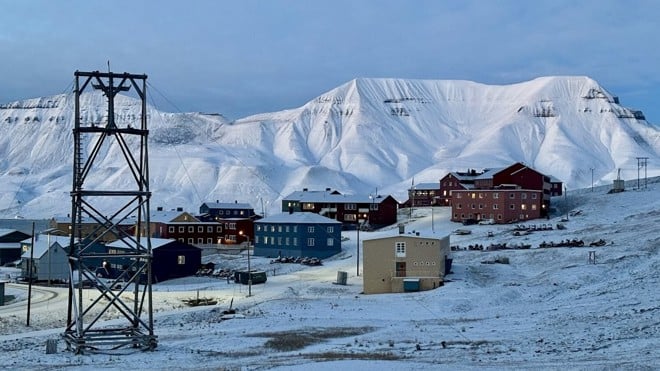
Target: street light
{"x": 249, "y": 267}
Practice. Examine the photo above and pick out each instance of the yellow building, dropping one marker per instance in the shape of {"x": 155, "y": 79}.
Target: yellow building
{"x": 403, "y": 263}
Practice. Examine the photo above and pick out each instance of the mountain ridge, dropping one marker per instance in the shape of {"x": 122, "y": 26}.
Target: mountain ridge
{"x": 367, "y": 135}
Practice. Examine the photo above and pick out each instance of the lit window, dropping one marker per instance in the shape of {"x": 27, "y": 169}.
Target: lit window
{"x": 331, "y": 241}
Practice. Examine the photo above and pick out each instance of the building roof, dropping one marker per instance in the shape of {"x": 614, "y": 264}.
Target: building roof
{"x": 332, "y": 197}
{"x": 167, "y": 216}
{"x": 409, "y": 235}
{"x": 228, "y": 205}
{"x": 433, "y": 186}
{"x": 298, "y": 218}
{"x": 125, "y": 243}
{"x": 4, "y": 231}
{"x": 89, "y": 220}
{"x": 42, "y": 242}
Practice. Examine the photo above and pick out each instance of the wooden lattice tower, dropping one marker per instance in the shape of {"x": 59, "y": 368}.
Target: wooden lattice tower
{"x": 130, "y": 203}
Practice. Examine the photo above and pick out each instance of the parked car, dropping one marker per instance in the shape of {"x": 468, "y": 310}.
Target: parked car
{"x": 470, "y": 221}
{"x": 487, "y": 222}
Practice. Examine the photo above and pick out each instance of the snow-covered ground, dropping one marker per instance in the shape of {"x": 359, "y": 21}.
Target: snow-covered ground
{"x": 549, "y": 308}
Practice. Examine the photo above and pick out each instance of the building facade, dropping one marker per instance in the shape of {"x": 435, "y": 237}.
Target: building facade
{"x": 352, "y": 211}
{"x": 297, "y": 234}
{"x": 403, "y": 263}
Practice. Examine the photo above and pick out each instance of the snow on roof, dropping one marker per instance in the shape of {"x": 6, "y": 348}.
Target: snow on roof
{"x": 126, "y": 243}
{"x": 227, "y": 205}
{"x": 5, "y": 231}
{"x": 328, "y": 196}
{"x": 42, "y": 243}
{"x": 298, "y": 218}
{"x": 434, "y": 186}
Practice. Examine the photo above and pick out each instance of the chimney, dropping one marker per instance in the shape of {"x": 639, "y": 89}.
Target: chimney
{"x": 327, "y": 189}
{"x": 159, "y": 208}
{"x": 179, "y": 209}
{"x": 402, "y": 228}
{"x": 304, "y": 189}
{"x": 217, "y": 201}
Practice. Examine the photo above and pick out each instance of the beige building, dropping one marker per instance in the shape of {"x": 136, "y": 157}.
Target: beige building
{"x": 404, "y": 262}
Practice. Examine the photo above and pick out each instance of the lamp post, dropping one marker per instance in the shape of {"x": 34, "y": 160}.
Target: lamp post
{"x": 249, "y": 267}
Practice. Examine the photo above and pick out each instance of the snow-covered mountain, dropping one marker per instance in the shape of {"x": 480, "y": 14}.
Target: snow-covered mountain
{"x": 364, "y": 136}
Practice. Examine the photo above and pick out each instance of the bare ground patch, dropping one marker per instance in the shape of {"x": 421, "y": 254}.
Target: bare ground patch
{"x": 285, "y": 341}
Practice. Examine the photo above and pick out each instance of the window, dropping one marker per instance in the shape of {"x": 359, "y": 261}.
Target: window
{"x": 232, "y": 225}
{"x": 286, "y": 228}
{"x": 295, "y": 241}
{"x": 496, "y": 206}
{"x": 191, "y": 229}
{"x": 331, "y": 229}
{"x": 499, "y": 216}
{"x": 170, "y": 229}
{"x": 279, "y": 228}
{"x": 219, "y": 229}
{"x": 459, "y": 195}
{"x": 459, "y": 206}
{"x": 473, "y": 195}
{"x": 272, "y": 228}
{"x": 200, "y": 229}
{"x": 523, "y": 196}
{"x": 373, "y": 206}
{"x": 350, "y": 207}
{"x": 481, "y": 195}
{"x": 279, "y": 241}
{"x": 181, "y": 240}
{"x": 258, "y": 227}
{"x": 181, "y": 259}
{"x": 400, "y": 249}
{"x": 472, "y": 206}
{"x": 400, "y": 269}
{"x": 295, "y": 229}
{"x": 534, "y": 196}
{"x": 209, "y": 229}
{"x": 512, "y": 207}
{"x": 512, "y": 195}
{"x": 287, "y": 241}
{"x": 331, "y": 241}
{"x": 310, "y": 242}
{"x": 523, "y": 207}
{"x": 209, "y": 241}
{"x": 182, "y": 229}
{"x": 191, "y": 240}
{"x": 496, "y": 195}
{"x": 221, "y": 212}
{"x": 349, "y": 217}
{"x": 533, "y": 206}
{"x": 308, "y": 206}
{"x": 481, "y": 206}
{"x": 310, "y": 229}
{"x": 200, "y": 240}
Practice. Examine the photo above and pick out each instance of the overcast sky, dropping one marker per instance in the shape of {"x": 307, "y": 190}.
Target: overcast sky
{"x": 246, "y": 56}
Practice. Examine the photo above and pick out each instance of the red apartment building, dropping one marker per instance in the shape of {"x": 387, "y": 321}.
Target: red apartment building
{"x": 514, "y": 193}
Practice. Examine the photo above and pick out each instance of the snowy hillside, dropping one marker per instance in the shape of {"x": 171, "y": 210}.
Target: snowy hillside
{"x": 363, "y": 136}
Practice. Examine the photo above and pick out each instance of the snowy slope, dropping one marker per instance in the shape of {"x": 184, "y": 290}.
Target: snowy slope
{"x": 364, "y": 135}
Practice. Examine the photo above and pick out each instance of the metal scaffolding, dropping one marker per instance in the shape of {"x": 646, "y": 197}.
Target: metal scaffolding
{"x": 132, "y": 302}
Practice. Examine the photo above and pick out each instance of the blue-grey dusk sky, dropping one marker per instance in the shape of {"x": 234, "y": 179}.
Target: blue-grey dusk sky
{"x": 247, "y": 56}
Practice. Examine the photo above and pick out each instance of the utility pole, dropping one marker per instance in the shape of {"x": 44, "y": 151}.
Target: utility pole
{"x": 641, "y": 162}
{"x": 592, "y": 179}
